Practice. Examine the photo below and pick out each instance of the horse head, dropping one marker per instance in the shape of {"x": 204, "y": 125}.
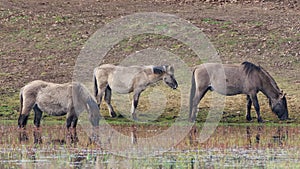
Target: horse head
{"x": 279, "y": 107}
{"x": 169, "y": 78}
{"x": 94, "y": 112}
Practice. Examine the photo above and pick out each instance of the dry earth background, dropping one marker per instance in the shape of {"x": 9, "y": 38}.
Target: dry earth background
{"x": 42, "y": 39}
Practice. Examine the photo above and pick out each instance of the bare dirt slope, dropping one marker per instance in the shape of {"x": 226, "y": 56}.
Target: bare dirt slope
{"x": 42, "y": 39}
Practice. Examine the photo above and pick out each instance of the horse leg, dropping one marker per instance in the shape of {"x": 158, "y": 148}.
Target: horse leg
{"x": 134, "y": 104}
{"x": 74, "y": 121}
{"x": 74, "y": 138}
{"x": 107, "y": 98}
{"x": 249, "y": 104}
{"x": 37, "y": 116}
{"x": 101, "y": 89}
{"x": 22, "y": 121}
{"x": 256, "y": 106}
{"x": 99, "y": 98}
{"x": 196, "y": 100}
{"x": 24, "y": 113}
{"x": 70, "y": 117}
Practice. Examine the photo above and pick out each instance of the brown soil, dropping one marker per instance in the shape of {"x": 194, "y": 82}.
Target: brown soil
{"x": 42, "y": 39}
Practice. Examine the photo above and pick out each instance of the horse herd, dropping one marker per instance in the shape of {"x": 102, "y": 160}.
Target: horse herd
{"x": 73, "y": 98}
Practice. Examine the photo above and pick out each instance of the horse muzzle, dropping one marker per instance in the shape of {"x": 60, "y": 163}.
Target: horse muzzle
{"x": 174, "y": 86}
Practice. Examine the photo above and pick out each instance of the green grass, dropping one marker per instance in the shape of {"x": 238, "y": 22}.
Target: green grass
{"x": 9, "y": 110}
{"x": 222, "y": 24}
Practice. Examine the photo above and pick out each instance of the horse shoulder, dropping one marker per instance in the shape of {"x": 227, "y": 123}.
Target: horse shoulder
{"x": 140, "y": 81}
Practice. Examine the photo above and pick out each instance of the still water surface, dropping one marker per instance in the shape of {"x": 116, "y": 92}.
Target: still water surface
{"x": 229, "y": 147}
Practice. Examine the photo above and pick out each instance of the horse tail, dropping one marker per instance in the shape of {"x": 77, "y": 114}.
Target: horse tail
{"x": 95, "y": 85}
{"x": 192, "y": 92}
{"x": 21, "y": 118}
{"x": 21, "y": 101}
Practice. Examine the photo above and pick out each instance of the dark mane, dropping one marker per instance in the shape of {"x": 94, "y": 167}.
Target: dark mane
{"x": 250, "y": 67}
{"x": 272, "y": 81}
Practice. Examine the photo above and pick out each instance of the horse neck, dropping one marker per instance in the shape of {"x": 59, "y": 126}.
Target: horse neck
{"x": 154, "y": 78}
{"x": 80, "y": 92}
{"x": 269, "y": 86}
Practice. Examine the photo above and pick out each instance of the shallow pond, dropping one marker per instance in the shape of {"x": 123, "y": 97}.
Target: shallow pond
{"x": 141, "y": 146}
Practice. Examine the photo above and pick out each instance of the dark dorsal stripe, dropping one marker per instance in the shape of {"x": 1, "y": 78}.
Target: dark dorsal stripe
{"x": 250, "y": 67}
{"x": 158, "y": 70}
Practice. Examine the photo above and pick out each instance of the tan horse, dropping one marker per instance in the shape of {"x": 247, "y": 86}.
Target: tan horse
{"x": 246, "y": 78}
{"x": 57, "y": 100}
{"x": 125, "y": 80}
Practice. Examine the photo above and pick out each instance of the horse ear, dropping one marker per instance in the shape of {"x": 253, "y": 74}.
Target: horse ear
{"x": 283, "y": 95}
{"x": 158, "y": 70}
{"x": 169, "y": 68}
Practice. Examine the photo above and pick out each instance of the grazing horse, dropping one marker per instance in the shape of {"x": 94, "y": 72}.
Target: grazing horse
{"x": 57, "y": 100}
{"x": 246, "y": 78}
{"x": 125, "y": 80}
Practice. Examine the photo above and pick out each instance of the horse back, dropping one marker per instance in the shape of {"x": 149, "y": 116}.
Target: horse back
{"x": 226, "y": 79}
{"x": 55, "y": 99}
{"x": 121, "y": 79}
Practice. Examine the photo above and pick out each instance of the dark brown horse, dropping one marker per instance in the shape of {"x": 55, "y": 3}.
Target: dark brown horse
{"x": 57, "y": 100}
{"x": 246, "y": 78}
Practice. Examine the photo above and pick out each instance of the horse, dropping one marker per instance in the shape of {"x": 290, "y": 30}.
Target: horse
{"x": 246, "y": 78}
{"x": 123, "y": 80}
{"x": 57, "y": 100}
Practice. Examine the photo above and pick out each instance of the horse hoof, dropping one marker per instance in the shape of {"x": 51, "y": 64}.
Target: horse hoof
{"x": 21, "y": 128}
{"x": 113, "y": 114}
{"x": 249, "y": 119}
{"x": 134, "y": 118}
{"x": 191, "y": 120}
{"x": 36, "y": 128}
{"x": 260, "y": 121}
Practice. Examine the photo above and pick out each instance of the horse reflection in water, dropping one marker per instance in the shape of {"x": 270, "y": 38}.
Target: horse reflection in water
{"x": 23, "y": 136}
{"x": 133, "y": 133}
{"x": 249, "y": 135}
{"x": 277, "y": 139}
{"x": 280, "y": 136}
{"x": 70, "y": 138}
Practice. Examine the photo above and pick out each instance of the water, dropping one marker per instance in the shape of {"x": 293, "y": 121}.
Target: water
{"x": 228, "y": 147}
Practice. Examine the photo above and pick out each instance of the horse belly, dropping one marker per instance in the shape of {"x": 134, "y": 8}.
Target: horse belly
{"x": 55, "y": 106}
{"x": 227, "y": 89}
{"x": 121, "y": 87}
{"x": 54, "y": 109}
{"x": 121, "y": 90}
{"x": 231, "y": 90}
